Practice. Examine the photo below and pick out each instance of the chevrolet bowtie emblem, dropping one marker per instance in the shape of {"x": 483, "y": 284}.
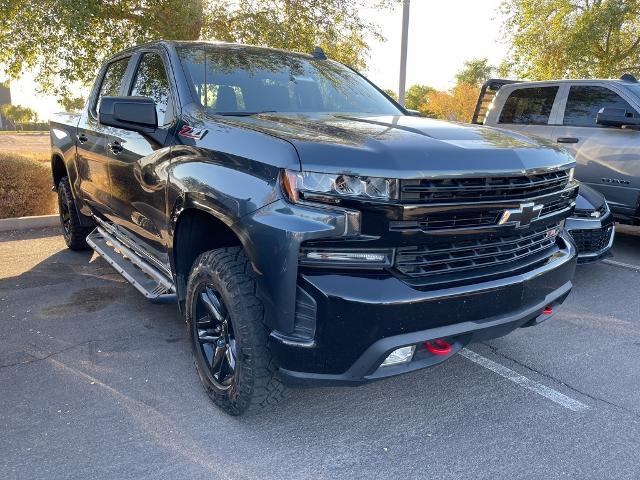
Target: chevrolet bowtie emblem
{"x": 522, "y": 216}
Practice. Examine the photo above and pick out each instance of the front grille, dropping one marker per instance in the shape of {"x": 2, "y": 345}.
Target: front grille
{"x": 456, "y": 256}
{"x": 448, "y": 221}
{"x": 488, "y": 218}
{"x": 592, "y": 241}
{"x": 483, "y": 189}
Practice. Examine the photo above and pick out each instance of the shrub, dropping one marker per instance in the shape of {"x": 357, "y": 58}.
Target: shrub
{"x": 25, "y": 186}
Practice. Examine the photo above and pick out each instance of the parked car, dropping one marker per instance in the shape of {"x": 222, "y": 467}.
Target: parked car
{"x": 597, "y": 121}
{"x": 591, "y": 225}
{"x": 310, "y": 230}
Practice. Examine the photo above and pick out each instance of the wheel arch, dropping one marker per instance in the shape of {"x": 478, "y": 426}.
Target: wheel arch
{"x": 197, "y": 228}
{"x": 58, "y": 169}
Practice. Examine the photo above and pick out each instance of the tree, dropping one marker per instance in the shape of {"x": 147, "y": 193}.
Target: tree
{"x": 456, "y": 105}
{"x": 65, "y": 41}
{"x": 18, "y": 115}
{"x": 391, "y": 93}
{"x": 475, "y": 72}
{"x": 72, "y": 104}
{"x": 573, "y": 38}
{"x": 417, "y": 95}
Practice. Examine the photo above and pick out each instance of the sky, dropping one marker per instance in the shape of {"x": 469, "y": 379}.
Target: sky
{"x": 443, "y": 34}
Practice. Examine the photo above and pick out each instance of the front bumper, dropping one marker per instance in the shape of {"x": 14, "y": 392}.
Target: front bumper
{"x": 360, "y": 319}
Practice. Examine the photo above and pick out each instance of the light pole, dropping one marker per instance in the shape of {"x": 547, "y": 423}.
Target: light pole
{"x": 403, "y": 50}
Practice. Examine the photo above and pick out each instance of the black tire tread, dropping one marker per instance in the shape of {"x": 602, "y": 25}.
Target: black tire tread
{"x": 262, "y": 386}
{"x": 78, "y": 238}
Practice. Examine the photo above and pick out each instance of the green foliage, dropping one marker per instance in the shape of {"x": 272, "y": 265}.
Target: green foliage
{"x": 391, "y": 93}
{"x": 417, "y": 95}
{"x": 72, "y": 104}
{"x": 65, "y": 41}
{"x": 475, "y": 72}
{"x": 573, "y": 38}
{"x": 18, "y": 115}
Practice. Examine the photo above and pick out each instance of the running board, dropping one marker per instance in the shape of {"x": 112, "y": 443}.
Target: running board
{"x": 147, "y": 279}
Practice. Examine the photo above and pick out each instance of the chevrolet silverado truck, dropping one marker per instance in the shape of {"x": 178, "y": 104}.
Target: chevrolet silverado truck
{"x": 310, "y": 229}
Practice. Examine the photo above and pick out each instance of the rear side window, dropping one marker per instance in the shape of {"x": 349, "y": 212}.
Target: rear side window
{"x": 529, "y": 106}
{"x": 112, "y": 80}
{"x": 584, "y": 103}
{"x": 151, "y": 81}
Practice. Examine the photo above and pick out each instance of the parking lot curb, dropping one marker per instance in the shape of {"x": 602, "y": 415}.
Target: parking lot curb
{"x": 24, "y": 223}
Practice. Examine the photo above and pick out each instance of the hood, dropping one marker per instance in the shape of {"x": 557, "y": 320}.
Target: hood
{"x": 406, "y": 146}
{"x": 588, "y": 198}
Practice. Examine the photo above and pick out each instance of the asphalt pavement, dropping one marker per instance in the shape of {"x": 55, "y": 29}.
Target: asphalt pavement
{"x": 95, "y": 382}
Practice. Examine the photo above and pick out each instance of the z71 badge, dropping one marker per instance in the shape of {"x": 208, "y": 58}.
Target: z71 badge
{"x": 192, "y": 132}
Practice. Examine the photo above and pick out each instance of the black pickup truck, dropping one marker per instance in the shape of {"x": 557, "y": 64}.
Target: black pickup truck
{"x": 311, "y": 230}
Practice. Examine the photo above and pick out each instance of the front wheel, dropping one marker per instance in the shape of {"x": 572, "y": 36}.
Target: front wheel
{"x": 75, "y": 235}
{"x": 227, "y": 333}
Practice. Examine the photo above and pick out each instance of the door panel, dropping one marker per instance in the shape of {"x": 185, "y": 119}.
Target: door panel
{"x": 93, "y": 171}
{"x": 138, "y": 179}
{"x": 139, "y": 165}
{"x": 92, "y": 160}
{"x": 607, "y": 158}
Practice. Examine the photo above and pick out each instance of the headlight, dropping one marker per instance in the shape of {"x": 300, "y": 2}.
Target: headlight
{"x": 571, "y": 172}
{"x": 297, "y": 185}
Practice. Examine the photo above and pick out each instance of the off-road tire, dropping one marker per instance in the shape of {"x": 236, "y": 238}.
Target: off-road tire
{"x": 75, "y": 235}
{"x": 256, "y": 383}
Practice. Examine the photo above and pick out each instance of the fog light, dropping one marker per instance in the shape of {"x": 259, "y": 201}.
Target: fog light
{"x": 347, "y": 258}
{"x": 400, "y": 355}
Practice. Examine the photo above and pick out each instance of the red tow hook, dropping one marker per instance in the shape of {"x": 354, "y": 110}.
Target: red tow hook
{"x": 438, "y": 347}
{"x": 548, "y": 310}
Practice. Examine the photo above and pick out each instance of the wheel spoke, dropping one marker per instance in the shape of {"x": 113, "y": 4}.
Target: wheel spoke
{"x": 215, "y": 336}
{"x": 205, "y": 337}
{"x": 205, "y": 323}
{"x": 217, "y": 362}
{"x": 231, "y": 355}
{"x": 212, "y": 305}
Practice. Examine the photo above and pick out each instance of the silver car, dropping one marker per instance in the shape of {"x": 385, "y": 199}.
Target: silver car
{"x": 598, "y": 121}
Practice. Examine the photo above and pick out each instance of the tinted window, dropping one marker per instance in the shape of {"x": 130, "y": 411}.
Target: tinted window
{"x": 151, "y": 81}
{"x": 530, "y": 106}
{"x": 245, "y": 80}
{"x": 112, "y": 80}
{"x": 584, "y": 103}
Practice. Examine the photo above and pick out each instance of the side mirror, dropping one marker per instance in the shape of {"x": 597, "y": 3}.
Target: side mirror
{"x": 413, "y": 113}
{"x": 617, "y": 117}
{"x": 129, "y": 113}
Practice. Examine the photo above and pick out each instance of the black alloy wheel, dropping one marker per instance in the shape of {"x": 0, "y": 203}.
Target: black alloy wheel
{"x": 74, "y": 233}
{"x": 65, "y": 215}
{"x": 213, "y": 332}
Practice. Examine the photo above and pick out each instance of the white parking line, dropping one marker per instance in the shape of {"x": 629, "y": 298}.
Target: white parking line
{"x": 550, "y": 393}
{"x": 622, "y": 264}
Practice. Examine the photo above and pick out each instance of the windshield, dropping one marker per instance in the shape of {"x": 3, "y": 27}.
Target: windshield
{"x": 238, "y": 80}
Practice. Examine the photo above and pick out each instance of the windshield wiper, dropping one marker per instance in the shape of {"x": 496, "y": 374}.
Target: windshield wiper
{"x": 243, "y": 113}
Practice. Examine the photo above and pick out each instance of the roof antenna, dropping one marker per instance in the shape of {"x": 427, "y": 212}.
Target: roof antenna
{"x": 318, "y": 53}
{"x": 627, "y": 77}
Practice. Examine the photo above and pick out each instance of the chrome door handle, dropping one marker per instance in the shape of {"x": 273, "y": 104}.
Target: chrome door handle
{"x": 567, "y": 140}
